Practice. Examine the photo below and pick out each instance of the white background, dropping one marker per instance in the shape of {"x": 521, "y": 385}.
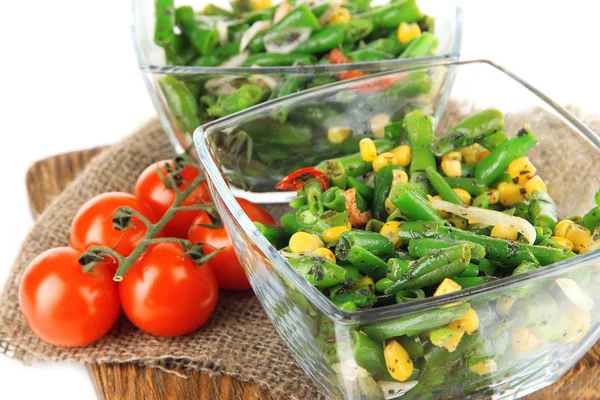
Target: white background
{"x": 69, "y": 81}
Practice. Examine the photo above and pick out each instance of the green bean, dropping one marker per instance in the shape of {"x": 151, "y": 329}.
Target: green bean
{"x": 474, "y": 186}
{"x": 535, "y": 310}
{"x": 313, "y": 191}
{"x": 470, "y": 130}
{"x": 419, "y": 129}
{"x": 366, "y": 54}
{"x": 205, "y": 40}
{"x": 422, "y": 247}
{"x": 414, "y": 324}
{"x": 298, "y": 201}
{"x": 441, "y": 186}
{"x": 181, "y": 102}
{"x": 481, "y": 201}
{"x": 276, "y": 236}
{"x": 275, "y": 59}
{"x": 542, "y": 211}
{"x": 487, "y": 267}
{"x": 383, "y": 184}
{"x": 334, "y": 199}
{"x": 336, "y": 173}
{"x": 423, "y": 46}
{"x": 367, "y": 263}
{"x": 494, "y": 140}
{"x": 385, "y": 300}
{"x": 394, "y": 133}
{"x": 361, "y": 187}
{"x": 526, "y": 266}
{"x": 290, "y": 85}
{"x": 554, "y": 329}
{"x": 505, "y": 251}
{"x": 353, "y": 164}
{"x": 289, "y": 223}
{"x": 317, "y": 270}
{"x": 433, "y": 277}
{"x": 227, "y": 50}
{"x": 467, "y": 281}
{"x": 397, "y": 268}
{"x": 374, "y": 225}
{"x": 374, "y": 242}
{"x": 386, "y": 45}
{"x": 265, "y": 130}
{"x": 471, "y": 271}
{"x": 361, "y": 298}
{"x": 244, "y": 97}
{"x": 209, "y": 60}
{"x": 326, "y": 39}
{"x": 494, "y": 164}
{"x": 164, "y": 34}
{"x": 368, "y": 354}
{"x": 382, "y": 284}
{"x": 420, "y": 182}
{"x": 391, "y": 15}
{"x": 358, "y": 29}
{"x": 408, "y": 295}
{"x": 591, "y": 220}
{"x": 412, "y": 203}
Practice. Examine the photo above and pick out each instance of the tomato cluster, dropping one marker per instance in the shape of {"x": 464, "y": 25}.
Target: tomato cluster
{"x": 164, "y": 292}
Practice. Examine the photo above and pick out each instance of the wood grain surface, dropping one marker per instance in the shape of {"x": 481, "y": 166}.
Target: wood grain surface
{"x": 47, "y": 178}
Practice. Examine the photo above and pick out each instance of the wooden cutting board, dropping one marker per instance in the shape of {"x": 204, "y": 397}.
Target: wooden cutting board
{"x": 48, "y": 177}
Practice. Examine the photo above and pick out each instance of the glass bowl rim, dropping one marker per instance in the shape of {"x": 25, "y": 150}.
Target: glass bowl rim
{"x": 392, "y": 311}
{"x": 145, "y": 67}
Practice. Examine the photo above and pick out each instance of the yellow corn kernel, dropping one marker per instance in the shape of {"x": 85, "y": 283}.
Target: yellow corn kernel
{"x": 580, "y": 237}
{"x": 523, "y": 340}
{"x": 389, "y": 206}
{"x": 563, "y": 227}
{"x": 535, "y": 183}
{"x": 463, "y": 195}
{"x": 331, "y": 234}
{"x": 325, "y": 253}
{"x": 521, "y": 170}
{"x": 469, "y": 323}
{"x": 442, "y": 213}
{"x": 383, "y": 160}
{"x": 390, "y": 230}
{"x": 510, "y": 193}
{"x": 403, "y": 155}
{"x": 260, "y": 4}
{"x": 378, "y": 123}
{"x": 397, "y": 361}
{"x": 481, "y": 155}
{"x": 451, "y": 168}
{"x": 446, "y": 337}
{"x": 505, "y": 231}
{"x": 368, "y": 151}
{"x": 504, "y": 304}
{"x": 337, "y": 134}
{"x": 408, "y": 32}
{"x": 399, "y": 176}
{"x": 453, "y": 155}
{"x": 493, "y": 196}
{"x": 484, "y": 367}
{"x": 302, "y": 242}
{"x": 340, "y": 16}
{"x": 563, "y": 242}
{"x": 447, "y": 286}
{"x": 469, "y": 154}
{"x": 579, "y": 324}
{"x": 366, "y": 281}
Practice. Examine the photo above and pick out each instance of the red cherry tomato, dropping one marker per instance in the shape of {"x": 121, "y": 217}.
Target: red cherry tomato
{"x": 296, "y": 180}
{"x": 63, "y": 305}
{"x": 337, "y": 57}
{"x": 151, "y": 191}
{"x": 93, "y": 223}
{"x": 375, "y": 85}
{"x": 225, "y": 265}
{"x": 167, "y": 294}
{"x": 351, "y": 75}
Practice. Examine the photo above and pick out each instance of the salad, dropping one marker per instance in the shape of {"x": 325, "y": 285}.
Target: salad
{"x": 411, "y": 216}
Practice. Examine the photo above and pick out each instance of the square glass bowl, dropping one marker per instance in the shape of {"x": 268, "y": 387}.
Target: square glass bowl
{"x": 151, "y": 58}
{"x": 532, "y": 328}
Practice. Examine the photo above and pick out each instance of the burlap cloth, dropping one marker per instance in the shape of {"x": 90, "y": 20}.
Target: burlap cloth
{"x": 238, "y": 340}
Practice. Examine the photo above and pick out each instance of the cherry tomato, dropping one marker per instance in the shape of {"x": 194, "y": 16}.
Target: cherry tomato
{"x": 375, "y": 85}
{"x": 93, "y": 223}
{"x": 63, "y": 305}
{"x": 151, "y": 191}
{"x": 351, "y": 75}
{"x": 167, "y": 294}
{"x": 225, "y": 265}
{"x": 296, "y": 180}
{"x": 337, "y": 57}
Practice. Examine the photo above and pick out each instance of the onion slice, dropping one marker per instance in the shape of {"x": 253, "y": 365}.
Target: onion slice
{"x": 235, "y": 61}
{"x": 393, "y": 389}
{"x": 283, "y": 10}
{"x": 224, "y": 85}
{"x": 487, "y": 217}
{"x": 223, "y": 32}
{"x": 349, "y": 370}
{"x": 574, "y": 293}
{"x": 265, "y": 80}
{"x": 286, "y": 41}
{"x": 255, "y": 29}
